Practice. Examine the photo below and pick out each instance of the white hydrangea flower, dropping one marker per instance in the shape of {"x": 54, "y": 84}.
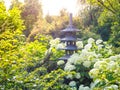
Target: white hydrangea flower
{"x": 93, "y": 84}
{"x": 112, "y": 66}
{"x": 70, "y": 76}
{"x": 94, "y": 72}
{"x": 79, "y": 44}
{"x": 107, "y": 88}
{"x": 82, "y": 87}
{"x": 72, "y": 83}
{"x": 74, "y": 58}
{"x": 78, "y": 76}
{"x": 100, "y": 47}
{"x": 34, "y": 85}
{"x": 108, "y": 46}
{"x": 99, "y": 64}
{"x": 69, "y": 67}
{"x": 113, "y": 58}
{"x": 99, "y": 56}
{"x": 99, "y": 41}
{"x": 60, "y": 62}
{"x": 61, "y": 45}
{"x": 79, "y": 61}
{"x": 48, "y": 51}
{"x": 110, "y": 51}
{"x": 55, "y": 42}
{"x": 87, "y": 54}
{"x": 88, "y": 46}
{"x": 90, "y": 40}
{"x": 115, "y": 87}
{"x": 87, "y": 64}
{"x": 84, "y": 53}
{"x": 112, "y": 87}
{"x": 14, "y": 77}
{"x": 86, "y": 88}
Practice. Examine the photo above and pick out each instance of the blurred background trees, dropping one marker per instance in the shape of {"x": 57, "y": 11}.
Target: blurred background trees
{"x": 103, "y": 16}
{"x": 96, "y": 18}
{"x": 31, "y": 12}
{"x": 26, "y": 58}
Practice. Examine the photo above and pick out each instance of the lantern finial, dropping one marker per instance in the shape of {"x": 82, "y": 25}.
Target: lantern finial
{"x": 70, "y": 21}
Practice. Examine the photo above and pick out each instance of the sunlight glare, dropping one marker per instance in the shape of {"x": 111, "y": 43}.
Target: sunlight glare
{"x": 53, "y": 7}
{"x": 7, "y": 4}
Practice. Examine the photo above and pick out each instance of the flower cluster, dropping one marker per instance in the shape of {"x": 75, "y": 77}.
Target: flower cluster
{"x": 88, "y": 55}
{"x": 78, "y": 75}
{"x": 107, "y": 71}
{"x": 55, "y": 42}
{"x": 60, "y": 45}
{"x": 79, "y": 44}
{"x": 97, "y": 57}
{"x": 75, "y": 75}
{"x": 111, "y": 87}
{"x": 99, "y": 41}
{"x": 72, "y": 83}
{"x": 60, "y": 62}
{"x": 69, "y": 67}
{"x": 82, "y": 87}
{"x": 91, "y": 40}
{"x": 85, "y": 57}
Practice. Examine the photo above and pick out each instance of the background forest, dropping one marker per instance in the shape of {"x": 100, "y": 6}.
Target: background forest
{"x": 29, "y": 45}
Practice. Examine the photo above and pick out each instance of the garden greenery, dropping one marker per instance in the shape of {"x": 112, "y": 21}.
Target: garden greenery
{"x": 35, "y": 65}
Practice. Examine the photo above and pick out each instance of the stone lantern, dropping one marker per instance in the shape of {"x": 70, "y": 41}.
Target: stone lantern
{"x": 69, "y": 39}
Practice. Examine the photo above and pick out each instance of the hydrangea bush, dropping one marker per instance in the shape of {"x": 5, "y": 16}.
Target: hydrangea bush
{"x": 96, "y": 67}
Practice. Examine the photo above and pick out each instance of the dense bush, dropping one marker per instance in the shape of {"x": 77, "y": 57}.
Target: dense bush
{"x": 96, "y": 67}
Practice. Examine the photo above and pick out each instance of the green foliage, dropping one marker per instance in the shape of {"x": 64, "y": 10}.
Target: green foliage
{"x": 108, "y": 18}
{"x": 10, "y": 30}
{"x": 11, "y": 39}
{"x": 85, "y": 34}
{"x": 54, "y": 81}
{"x": 33, "y": 65}
{"x": 19, "y": 68}
{"x": 89, "y": 21}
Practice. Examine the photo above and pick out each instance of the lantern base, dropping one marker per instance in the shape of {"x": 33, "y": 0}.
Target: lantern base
{"x": 66, "y": 57}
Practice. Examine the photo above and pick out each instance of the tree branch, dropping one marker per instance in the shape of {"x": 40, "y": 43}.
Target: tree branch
{"x": 101, "y": 3}
{"x": 111, "y": 5}
{"x": 45, "y": 60}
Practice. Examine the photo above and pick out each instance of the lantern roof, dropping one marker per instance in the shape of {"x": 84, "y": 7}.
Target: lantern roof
{"x": 70, "y": 47}
{"x": 70, "y": 27}
{"x": 68, "y": 38}
{"x": 66, "y": 57}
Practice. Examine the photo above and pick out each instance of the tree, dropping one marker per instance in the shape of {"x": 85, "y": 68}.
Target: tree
{"x": 16, "y": 3}
{"x": 50, "y": 25}
{"x": 11, "y": 38}
{"x": 109, "y": 19}
{"x": 32, "y": 10}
